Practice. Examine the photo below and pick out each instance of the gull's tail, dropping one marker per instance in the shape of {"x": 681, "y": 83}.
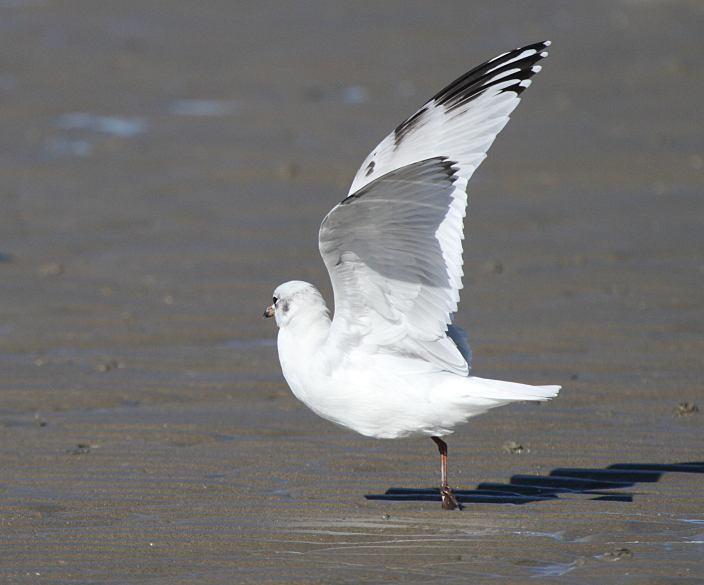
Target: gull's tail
{"x": 504, "y": 392}
{"x": 472, "y": 396}
{"x": 475, "y": 396}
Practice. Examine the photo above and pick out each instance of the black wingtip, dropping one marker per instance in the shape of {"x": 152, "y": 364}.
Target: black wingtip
{"x": 478, "y": 80}
{"x": 492, "y": 72}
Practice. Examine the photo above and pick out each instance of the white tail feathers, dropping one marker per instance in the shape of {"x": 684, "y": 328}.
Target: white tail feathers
{"x": 509, "y": 391}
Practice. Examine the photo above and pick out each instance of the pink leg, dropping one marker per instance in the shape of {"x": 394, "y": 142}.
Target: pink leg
{"x": 448, "y": 500}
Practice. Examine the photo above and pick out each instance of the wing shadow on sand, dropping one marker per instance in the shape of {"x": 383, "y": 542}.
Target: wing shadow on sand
{"x": 523, "y": 489}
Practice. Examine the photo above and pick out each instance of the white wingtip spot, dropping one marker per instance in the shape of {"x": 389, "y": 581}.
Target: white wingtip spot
{"x": 524, "y": 55}
{"x": 544, "y": 54}
{"x": 547, "y": 43}
{"x": 525, "y": 83}
{"x": 536, "y": 68}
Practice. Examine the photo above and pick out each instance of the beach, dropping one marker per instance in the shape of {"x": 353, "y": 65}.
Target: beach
{"x": 165, "y": 166}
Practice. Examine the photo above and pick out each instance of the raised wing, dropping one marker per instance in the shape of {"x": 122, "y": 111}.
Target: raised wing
{"x": 393, "y": 247}
{"x": 461, "y": 121}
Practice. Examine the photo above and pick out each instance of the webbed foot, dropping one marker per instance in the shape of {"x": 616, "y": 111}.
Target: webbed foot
{"x": 449, "y": 502}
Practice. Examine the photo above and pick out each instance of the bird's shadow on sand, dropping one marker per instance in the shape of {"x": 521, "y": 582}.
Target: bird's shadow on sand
{"x": 523, "y": 489}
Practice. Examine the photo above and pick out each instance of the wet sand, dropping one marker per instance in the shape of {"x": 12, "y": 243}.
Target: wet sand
{"x": 165, "y": 167}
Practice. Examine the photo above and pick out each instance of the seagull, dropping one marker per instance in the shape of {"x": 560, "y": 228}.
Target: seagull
{"x": 391, "y": 363}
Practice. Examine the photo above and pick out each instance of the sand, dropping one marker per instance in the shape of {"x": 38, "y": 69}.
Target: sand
{"x": 166, "y": 165}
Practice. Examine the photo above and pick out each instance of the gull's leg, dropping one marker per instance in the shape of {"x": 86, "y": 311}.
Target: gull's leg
{"x": 448, "y": 500}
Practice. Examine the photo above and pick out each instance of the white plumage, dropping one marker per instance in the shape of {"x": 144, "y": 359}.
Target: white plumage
{"x": 391, "y": 363}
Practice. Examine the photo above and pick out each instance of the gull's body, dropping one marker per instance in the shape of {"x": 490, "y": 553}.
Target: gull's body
{"x": 391, "y": 363}
{"x": 377, "y": 393}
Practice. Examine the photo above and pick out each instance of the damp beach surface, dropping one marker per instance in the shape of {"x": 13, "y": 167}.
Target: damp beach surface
{"x": 164, "y": 168}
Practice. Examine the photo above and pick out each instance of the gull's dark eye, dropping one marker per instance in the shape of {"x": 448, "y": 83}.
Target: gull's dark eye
{"x": 275, "y": 299}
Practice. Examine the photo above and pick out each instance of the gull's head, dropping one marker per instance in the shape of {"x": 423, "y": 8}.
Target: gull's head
{"x": 295, "y": 298}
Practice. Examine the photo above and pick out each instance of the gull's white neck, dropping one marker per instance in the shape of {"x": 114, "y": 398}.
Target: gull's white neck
{"x": 298, "y": 343}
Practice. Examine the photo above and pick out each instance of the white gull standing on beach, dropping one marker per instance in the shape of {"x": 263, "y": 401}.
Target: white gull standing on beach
{"x": 390, "y": 363}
